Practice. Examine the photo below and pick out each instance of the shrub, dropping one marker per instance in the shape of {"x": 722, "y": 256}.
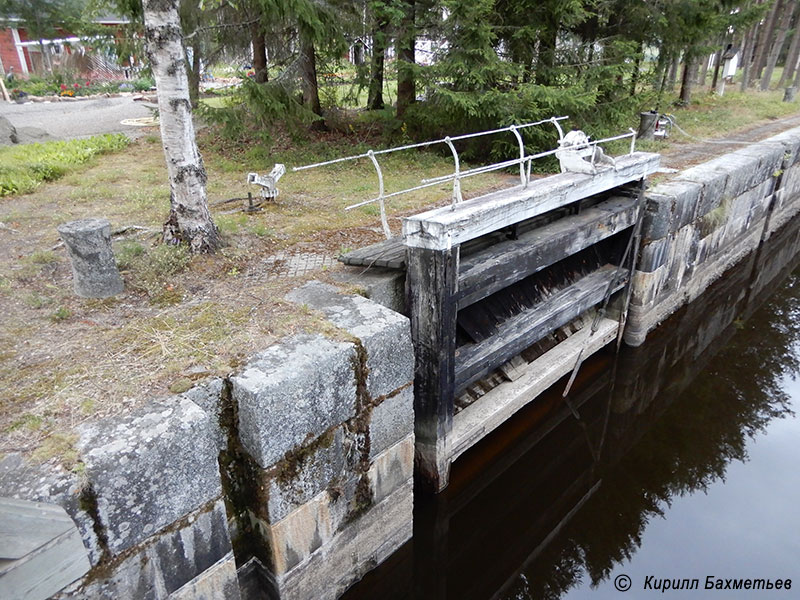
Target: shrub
{"x": 143, "y": 84}
{"x": 254, "y": 109}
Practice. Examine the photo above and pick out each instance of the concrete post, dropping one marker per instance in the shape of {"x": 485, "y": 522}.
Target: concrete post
{"x": 94, "y": 270}
{"x": 788, "y": 94}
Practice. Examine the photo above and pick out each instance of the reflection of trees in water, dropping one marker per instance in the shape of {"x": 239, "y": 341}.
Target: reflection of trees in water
{"x": 686, "y": 450}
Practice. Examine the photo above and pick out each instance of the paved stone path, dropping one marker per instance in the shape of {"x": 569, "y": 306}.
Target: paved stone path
{"x": 296, "y": 264}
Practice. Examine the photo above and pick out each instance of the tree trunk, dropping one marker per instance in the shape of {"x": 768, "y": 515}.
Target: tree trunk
{"x": 193, "y": 75}
{"x": 717, "y": 67}
{"x": 796, "y": 78}
{"x": 792, "y": 56}
{"x": 637, "y": 64}
{"x": 379, "y": 39}
{"x": 747, "y": 55}
{"x": 189, "y": 219}
{"x": 695, "y": 72}
{"x": 673, "y": 72}
{"x": 406, "y": 42}
{"x": 777, "y": 45}
{"x": 701, "y": 80}
{"x": 764, "y": 41}
{"x": 309, "y": 74}
{"x": 687, "y": 80}
{"x": 261, "y": 74}
{"x": 660, "y": 70}
{"x": 546, "y": 59}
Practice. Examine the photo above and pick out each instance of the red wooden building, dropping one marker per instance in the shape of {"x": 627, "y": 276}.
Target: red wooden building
{"x": 17, "y": 50}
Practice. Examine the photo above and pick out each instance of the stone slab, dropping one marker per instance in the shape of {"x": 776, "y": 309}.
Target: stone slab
{"x": 384, "y": 286}
{"x": 790, "y": 140}
{"x": 643, "y": 319}
{"x": 292, "y": 393}
{"x": 670, "y": 206}
{"x": 713, "y": 181}
{"x": 391, "y": 421}
{"x": 219, "y": 582}
{"x": 770, "y": 158}
{"x": 385, "y": 334}
{"x": 302, "y": 533}
{"x": 357, "y": 549}
{"x": 392, "y": 469}
{"x": 150, "y": 468}
{"x": 654, "y": 254}
{"x": 313, "y": 524}
{"x": 208, "y": 396}
{"x": 164, "y": 563}
{"x": 319, "y": 468}
{"x": 646, "y": 286}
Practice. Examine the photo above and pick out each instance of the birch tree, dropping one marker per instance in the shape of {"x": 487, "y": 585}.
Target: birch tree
{"x": 189, "y": 218}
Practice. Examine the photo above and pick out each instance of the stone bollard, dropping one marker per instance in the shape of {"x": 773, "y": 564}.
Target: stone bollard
{"x": 788, "y": 94}
{"x": 647, "y": 125}
{"x": 94, "y": 270}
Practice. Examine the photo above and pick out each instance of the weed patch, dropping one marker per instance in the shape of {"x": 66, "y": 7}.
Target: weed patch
{"x": 152, "y": 272}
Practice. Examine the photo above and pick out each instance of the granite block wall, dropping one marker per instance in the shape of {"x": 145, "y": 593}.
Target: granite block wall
{"x": 705, "y": 220}
{"x": 289, "y": 479}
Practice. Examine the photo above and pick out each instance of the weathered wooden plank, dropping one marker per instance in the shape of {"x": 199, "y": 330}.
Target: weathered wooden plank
{"x": 444, "y": 228}
{"x": 507, "y": 262}
{"x": 25, "y": 525}
{"x": 430, "y": 284}
{"x": 517, "y": 333}
{"x": 42, "y": 550}
{"x": 514, "y": 368}
{"x": 493, "y": 409}
{"x": 389, "y": 253}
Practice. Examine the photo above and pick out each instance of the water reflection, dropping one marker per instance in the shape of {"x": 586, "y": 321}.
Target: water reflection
{"x": 559, "y": 498}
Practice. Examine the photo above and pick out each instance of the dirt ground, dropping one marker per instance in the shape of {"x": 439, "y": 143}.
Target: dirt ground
{"x": 65, "y": 360}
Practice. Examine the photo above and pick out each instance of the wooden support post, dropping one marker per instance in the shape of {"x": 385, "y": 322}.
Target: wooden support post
{"x": 431, "y": 282}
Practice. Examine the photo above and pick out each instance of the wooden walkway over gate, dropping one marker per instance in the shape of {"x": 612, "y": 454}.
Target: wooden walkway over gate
{"x": 515, "y": 283}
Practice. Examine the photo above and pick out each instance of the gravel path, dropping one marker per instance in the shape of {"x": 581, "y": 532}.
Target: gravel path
{"x": 79, "y": 118}
{"x": 695, "y": 152}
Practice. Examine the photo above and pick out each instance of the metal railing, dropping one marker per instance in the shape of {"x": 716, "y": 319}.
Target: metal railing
{"x": 524, "y": 161}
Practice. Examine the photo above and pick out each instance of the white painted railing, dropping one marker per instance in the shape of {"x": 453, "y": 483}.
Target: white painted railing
{"x": 524, "y": 161}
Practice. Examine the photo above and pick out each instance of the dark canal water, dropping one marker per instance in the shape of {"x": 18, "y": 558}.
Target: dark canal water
{"x": 677, "y": 460}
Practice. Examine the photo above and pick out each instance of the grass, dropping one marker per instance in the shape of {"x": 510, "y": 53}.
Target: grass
{"x": 180, "y": 317}
{"x": 710, "y": 116}
{"x": 23, "y": 168}
{"x": 65, "y": 360}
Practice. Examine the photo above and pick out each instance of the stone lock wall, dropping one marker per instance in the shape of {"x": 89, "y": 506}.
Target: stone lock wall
{"x": 328, "y": 426}
{"x": 705, "y": 220}
{"x": 289, "y": 479}
{"x": 147, "y": 502}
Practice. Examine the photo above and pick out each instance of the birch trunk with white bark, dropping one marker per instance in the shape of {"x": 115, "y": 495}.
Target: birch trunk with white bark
{"x": 189, "y": 218}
